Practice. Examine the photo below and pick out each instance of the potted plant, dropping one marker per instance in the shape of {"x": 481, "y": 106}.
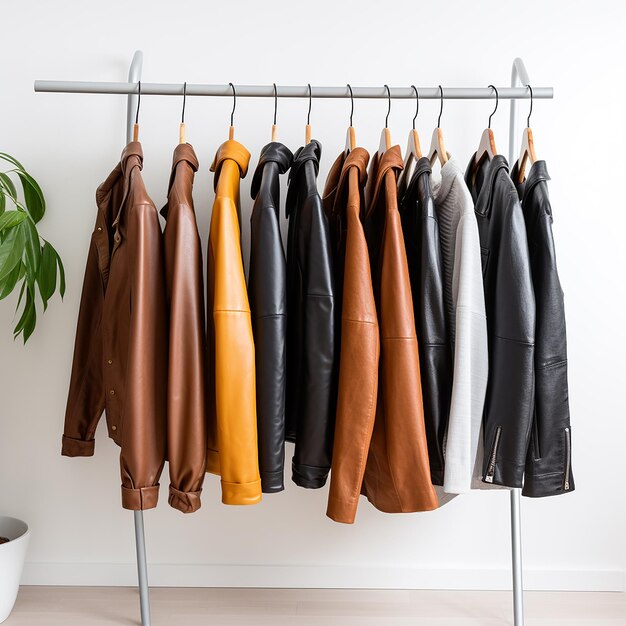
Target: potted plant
{"x": 25, "y": 257}
{"x": 14, "y": 536}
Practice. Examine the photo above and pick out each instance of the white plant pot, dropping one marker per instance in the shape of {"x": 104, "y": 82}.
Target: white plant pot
{"x": 12, "y": 555}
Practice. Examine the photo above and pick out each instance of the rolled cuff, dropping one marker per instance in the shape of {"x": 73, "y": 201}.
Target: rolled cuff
{"x": 184, "y": 501}
{"x": 309, "y": 476}
{"x": 77, "y": 447}
{"x": 140, "y": 499}
{"x": 342, "y": 511}
{"x": 241, "y": 493}
{"x": 272, "y": 482}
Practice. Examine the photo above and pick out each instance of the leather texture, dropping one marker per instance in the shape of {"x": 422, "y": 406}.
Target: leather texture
{"x": 510, "y": 308}
{"x": 397, "y": 473}
{"x": 311, "y": 340}
{"x": 267, "y": 290}
{"x": 360, "y": 341}
{"x": 186, "y": 404}
{"x": 549, "y": 460}
{"x": 421, "y": 239}
{"x": 232, "y": 439}
{"x": 120, "y": 353}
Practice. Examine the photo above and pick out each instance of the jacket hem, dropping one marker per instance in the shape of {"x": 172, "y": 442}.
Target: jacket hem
{"x": 546, "y": 485}
{"x": 141, "y": 498}
{"x": 241, "y": 493}
{"x": 506, "y": 475}
{"x": 342, "y": 511}
{"x": 272, "y": 482}
{"x": 184, "y": 501}
{"x": 436, "y": 476}
{"x": 427, "y": 505}
{"x": 309, "y": 476}
{"x": 77, "y": 447}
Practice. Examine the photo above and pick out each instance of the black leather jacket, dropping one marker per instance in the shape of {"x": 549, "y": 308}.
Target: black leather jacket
{"x": 421, "y": 238}
{"x": 267, "y": 290}
{"x": 549, "y": 459}
{"x": 510, "y": 308}
{"x": 311, "y": 341}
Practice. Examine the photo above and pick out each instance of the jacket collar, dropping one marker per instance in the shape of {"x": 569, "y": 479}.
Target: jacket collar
{"x": 358, "y": 159}
{"x": 422, "y": 166}
{"x": 234, "y": 151}
{"x": 308, "y": 154}
{"x": 391, "y": 161}
{"x": 183, "y": 153}
{"x": 486, "y": 176}
{"x": 274, "y": 152}
{"x": 538, "y": 173}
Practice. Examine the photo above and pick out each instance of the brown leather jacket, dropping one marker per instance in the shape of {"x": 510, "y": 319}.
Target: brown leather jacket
{"x": 360, "y": 341}
{"x": 186, "y": 407}
{"x": 120, "y": 354}
{"x": 232, "y": 443}
{"x": 397, "y": 474}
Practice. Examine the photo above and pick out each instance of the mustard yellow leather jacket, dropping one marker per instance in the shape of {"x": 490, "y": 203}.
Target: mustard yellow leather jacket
{"x": 232, "y": 442}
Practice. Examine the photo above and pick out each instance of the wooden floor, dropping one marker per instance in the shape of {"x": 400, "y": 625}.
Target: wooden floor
{"x": 100, "y": 606}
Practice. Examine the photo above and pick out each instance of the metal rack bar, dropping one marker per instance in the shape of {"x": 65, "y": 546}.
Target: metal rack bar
{"x": 131, "y": 88}
{"x": 288, "y": 91}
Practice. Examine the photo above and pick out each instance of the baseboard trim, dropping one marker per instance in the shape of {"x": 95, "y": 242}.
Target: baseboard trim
{"x": 328, "y": 577}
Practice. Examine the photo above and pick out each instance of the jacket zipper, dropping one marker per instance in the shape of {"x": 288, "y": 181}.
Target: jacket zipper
{"x": 491, "y": 469}
{"x": 568, "y": 458}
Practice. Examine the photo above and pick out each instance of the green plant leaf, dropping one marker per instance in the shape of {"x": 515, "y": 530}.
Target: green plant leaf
{"x": 27, "y": 320}
{"x": 33, "y": 196}
{"x": 11, "y": 250}
{"x": 9, "y": 219}
{"x": 3, "y": 202}
{"x": 61, "y": 273}
{"x": 8, "y": 284}
{"x": 32, "y": 250}
{"x": 47, "y": 275}
{"x": 13, "y": 160}
{"x": 7, "y": 183}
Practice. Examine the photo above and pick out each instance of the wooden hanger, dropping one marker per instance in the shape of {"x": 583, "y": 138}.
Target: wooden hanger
{"x": 385, "y": 135}
{"x": 231, "y": 128}
{"x": 437, "y": 148}
{"x": 413, "y": 149}
{"x": 487, "y": 146}
{"x": 350, "y": 133}
{"x": 136, "y": 124}
{"x": 527, "y": 152}
{"x": 182, "y": 134}
{"x": 274, "y": 127}
{"x": 307, "y": 128}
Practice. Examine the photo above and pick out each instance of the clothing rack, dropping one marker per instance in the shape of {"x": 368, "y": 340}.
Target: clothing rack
{"x": 519, "y": 76}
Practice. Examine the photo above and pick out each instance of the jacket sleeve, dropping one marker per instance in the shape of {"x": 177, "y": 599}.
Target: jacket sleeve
{"x": 548, "y": 463}
{"x": 314, "y": 438}
{"x": 235, "y": 455}
{"x": 143, "y": 434}
{"x": 186, "y": 410}
{"x": 267, "y": 289}
{"x": 511, "y": 358}
{"x": 85, "y": 402}
{"x": 470, "y": 359}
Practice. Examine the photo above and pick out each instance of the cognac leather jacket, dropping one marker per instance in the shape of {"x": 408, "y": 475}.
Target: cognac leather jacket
{"x": 311, "y": 341}
{"x": 397, "y": 473}
{"x": 267, "y": 290}
{"x": 510, "y": 308}
{"x": 421, "y": 239}
{"x": 186, "y": 406}
{"x": 549, "y": 459}
{"x": 360, "y": 341}
{"x": 120, "y": 353}
{"x": 232, "y": 447}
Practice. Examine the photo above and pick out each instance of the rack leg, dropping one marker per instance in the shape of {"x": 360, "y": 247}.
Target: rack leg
{"x": 142, "y": 569}
{"x": 516, "y": 547}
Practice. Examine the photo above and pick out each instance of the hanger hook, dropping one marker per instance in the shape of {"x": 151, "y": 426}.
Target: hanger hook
{"x": 440, "y": 106}
{"x": 531, "y": 106}
{"x": 275, "y": 102}
{"x": 138, "y": 102}
{"x": 351, "y": 103}
{"x": 388, "y": 106}
{"x": 182, "y": 118}
{"x": 497, "y": 100}
{"x": 308, "y": 115}
{"x": 417, "y": 104}
{"x": 232, "y": 113}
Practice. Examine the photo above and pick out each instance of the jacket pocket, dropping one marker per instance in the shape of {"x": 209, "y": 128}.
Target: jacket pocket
{"x": 484, "y": 257}
{"x": 491, "y": 468}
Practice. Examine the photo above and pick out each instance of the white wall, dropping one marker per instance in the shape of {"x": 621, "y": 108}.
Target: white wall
{"x": 71, "y": 142}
